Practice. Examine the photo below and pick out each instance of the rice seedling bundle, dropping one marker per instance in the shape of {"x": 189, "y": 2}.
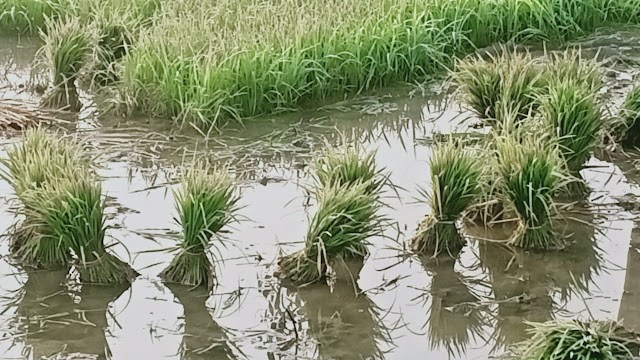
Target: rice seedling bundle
{"x": 68, "y": 50}
{"x": 571, "y": 112}
{"x": 576, "y": 340}
{"x": 570, "y": 66}
{"x": 346, "y": 217}
{"x": 455, "y": 184}
{"x": 494, "y": 88}
{"x": 628, "y": 129}
{"x": 206, "y": 203}
{"x": 71, "y": 211}
{"x": 41, "y": 158}
{"x": 529, "y": 170}
{"x": 349, "y": 166}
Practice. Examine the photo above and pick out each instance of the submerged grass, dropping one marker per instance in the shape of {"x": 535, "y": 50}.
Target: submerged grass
{"x": 206, "y": 203}
{"x": 576, "y": 340}
{"x": 346, "y": 218}
{"x": 235, "y": 59}
{"x": 455, "y": 182}
{"x": 530, "y": 175}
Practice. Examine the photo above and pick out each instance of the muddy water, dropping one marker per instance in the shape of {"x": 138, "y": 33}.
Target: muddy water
{"x": 408, "y": 307}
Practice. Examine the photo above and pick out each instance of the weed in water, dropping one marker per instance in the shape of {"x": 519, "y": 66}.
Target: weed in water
{"x": 572, "y": 115}
{"x": 206, "y": 203}
{"x": 71, "y": 212}
{"x": 627, "y": 129}
{"x": 529, "y": 171}
{"x": 455, "y": 181}
{"x": 69, "y": 48}
{"x": 561, "y": 340}
{"x": 345, "y": 219}
{"x": 349, "y": 166}
{"x": 508, "y": 81}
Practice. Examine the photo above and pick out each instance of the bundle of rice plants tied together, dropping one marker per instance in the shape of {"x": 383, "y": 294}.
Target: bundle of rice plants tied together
{"x": 347, "y": 216}
{"x": 455, "y": 181}
{"x": 349, "y": 166}
{"x": 569, "y": 65}
{"x": 529, "y": 170}
{"x": 576, "y": 340}
{"x": 206, "y": 203}
{"x": 571, "y": 113}
{"x": 509, "y": 81}
{"x": 41, "y": 158}
{"x": 68, "y": 49}
{"x": 627, "y": 130}
{"x": 71, "y": 210}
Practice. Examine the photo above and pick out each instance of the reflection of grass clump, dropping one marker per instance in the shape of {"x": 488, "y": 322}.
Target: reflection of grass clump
{"x": 455, "y": 181}
{"x": 349, "y": 166}
{"x": 558, "y": 340}
{"x": 529, "y": 171}
{"x": 71, "y": 211}
{"x": 509, "y": 81}
{"x": 67, "y": 50}
{"x": 345, "y": 219}
{"x": 571, "y": 112}
{"x": 206, "y": 203}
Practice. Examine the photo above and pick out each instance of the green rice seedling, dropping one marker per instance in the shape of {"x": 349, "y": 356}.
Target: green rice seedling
{"x": 530, "y": 175}
{"x": 206, "y": 203}
{"x": 346, "y": 217}
{"x": 570, "y": 66}
{"x": 509, "y": 81}
{"x": 348, "y": 166}
{"x": 561, "y": 340}
{"x": 455, "y": 181}
{"x": 572, "y": 115}
{"x": 627, "y": 129}
{"x": 42, "y": 157}
{"x": 69, "y": 48}
{"x": 71, "y": 211}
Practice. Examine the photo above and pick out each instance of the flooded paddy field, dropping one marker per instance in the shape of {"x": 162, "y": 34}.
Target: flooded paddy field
{"x": 407, "y": 307}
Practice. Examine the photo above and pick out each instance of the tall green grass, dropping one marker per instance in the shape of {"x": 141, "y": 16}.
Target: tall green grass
{"x": 206, "y": 203}
{"x": 239, "y": 59}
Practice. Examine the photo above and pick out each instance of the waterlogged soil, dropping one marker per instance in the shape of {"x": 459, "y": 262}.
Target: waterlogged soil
{"x": 403, "y": 307}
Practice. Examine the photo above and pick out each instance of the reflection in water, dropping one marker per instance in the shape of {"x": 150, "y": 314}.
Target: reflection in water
{"x": 62, "y": 322}
{"x": 630, "y": 303}
{"x": 203, "y": 338}
{"x": 344, "y": 322}
{"x": 454, "y": 315}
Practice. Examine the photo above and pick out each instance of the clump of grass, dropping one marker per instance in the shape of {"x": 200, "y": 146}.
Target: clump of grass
{"x": 570, "y": 66}
{"x": 41, "y": 158}
{"x": 455, "y": 181}
{"x": 578, "y": 340}
{"x": 571, "y": 113}
{"x": 345, "y": 219}
{"x": 69, "y": 48}
{"x": 18, "y": 116}
{"x": 349, "y": 166}
{"x": 71, "y": 211}
{"x": 508, "y": 81}
{"x": 529, "y": 171}
{"x": 206, "y": 203}
{"x": 628, "y": 128}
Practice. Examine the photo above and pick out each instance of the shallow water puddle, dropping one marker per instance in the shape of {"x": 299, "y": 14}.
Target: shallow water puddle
{"x": 409, "y": 308}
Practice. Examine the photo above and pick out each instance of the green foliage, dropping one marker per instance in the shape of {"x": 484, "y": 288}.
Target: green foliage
{"x": 349, "y": 166}
{"x": 575, "y": 340}
{"x": 572, "y": 114}
{"x": 346, "y": 217}
{"x": 571, "y": 67}
{"x": 529, "y": 170}
{"x": 628, "y": 129}
{"x": 206, "y": 203}
{"x": 455, "y": 184}
{"x": 507, "y": 82}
